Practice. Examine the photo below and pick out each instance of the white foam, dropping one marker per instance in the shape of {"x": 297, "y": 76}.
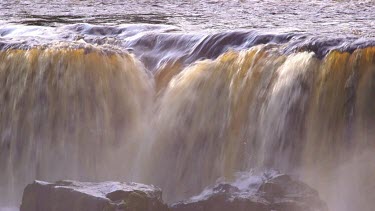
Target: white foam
{"x": 247, "y": 182}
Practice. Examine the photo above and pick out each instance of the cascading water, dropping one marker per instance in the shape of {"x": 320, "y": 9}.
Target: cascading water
{"x": 154, "y": 104}
{"x": 67, "y": 112}
{"x": 259, "y": 108}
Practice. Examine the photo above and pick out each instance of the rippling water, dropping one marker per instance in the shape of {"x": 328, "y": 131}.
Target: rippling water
{"x": 333, "y": 17}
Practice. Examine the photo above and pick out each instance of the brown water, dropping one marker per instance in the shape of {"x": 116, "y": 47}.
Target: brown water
{"x": 181, "y": 94}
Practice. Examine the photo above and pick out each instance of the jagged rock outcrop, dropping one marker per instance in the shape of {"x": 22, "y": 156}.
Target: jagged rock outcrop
{"x": 85, "y": 196}
{"x": 277, "y": 193}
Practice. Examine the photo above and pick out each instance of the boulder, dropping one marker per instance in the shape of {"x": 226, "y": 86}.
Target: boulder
{"x": 85, "y": 196}
{"x": 265, "y": 192}
{"x": 270, "y": 193}
{"x": 287, "y": 194}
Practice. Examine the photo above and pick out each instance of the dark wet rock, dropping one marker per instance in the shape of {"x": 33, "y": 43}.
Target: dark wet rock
{"x": 287, "y": 194}
{"x": 268, "y": 192}
{"x": 278, "y": 193}
{"x": 84, "y": 196}
{"x": 219, "y": 204}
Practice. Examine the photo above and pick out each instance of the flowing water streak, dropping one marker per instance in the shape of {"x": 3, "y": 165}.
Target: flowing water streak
{"x": 84, "y": 113}
{"x": 340, "y": 130}
{"x": 69, "y": 112}
{"x": 260, "y": 108}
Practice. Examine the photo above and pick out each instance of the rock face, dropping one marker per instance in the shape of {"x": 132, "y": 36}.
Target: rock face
{"x": 84, "y": 196}
{"x": 275, "y": 193}
{"x": 265, "y": 192}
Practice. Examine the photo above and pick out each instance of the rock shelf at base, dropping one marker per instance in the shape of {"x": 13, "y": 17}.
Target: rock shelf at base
{"x": 278, "y": 192}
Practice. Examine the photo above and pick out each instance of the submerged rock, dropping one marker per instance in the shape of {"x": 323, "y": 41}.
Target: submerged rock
{"x": 275, "y": 192}
{"x": 85, "y": 196}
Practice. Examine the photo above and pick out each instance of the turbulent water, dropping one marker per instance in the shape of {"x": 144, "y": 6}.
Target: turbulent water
{"x": 346, "y": 17}
{"x": 181, "y": 94}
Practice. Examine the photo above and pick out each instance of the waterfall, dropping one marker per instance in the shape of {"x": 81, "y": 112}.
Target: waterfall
{"x": 69, "y": 112}
{"x": 261, "y": 108}
{"x": 182, "y": 118}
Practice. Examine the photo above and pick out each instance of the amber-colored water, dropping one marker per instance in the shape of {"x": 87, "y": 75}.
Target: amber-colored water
{"x": 69, "y": 113}
{"x": 179, "y": 94}
{"x": 258, "y": 108}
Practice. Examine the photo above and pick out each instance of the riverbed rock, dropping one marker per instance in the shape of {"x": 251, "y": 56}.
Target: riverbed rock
{"x": 85, "y": 196}
{"x": 277, "y": 193}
